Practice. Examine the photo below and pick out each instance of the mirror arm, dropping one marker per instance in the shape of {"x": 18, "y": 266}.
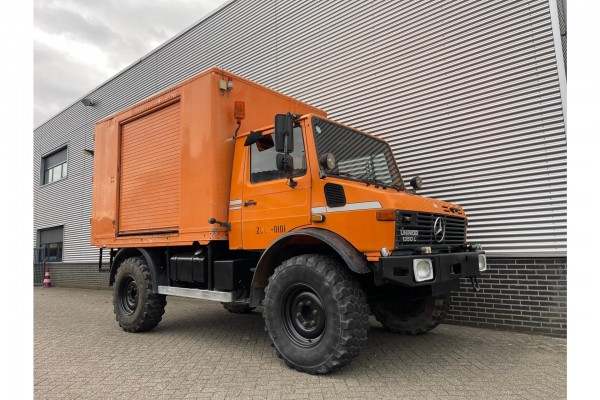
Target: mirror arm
{"x": 286, "y": 138}
{"x": 291, "y": 182}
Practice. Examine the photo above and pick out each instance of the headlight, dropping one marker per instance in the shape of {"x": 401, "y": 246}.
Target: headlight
{"x": 423, "y": 269}
{"x": 384, "y": 252}
{"x": 482, "y": 262}
{"x": 327, "y": 161}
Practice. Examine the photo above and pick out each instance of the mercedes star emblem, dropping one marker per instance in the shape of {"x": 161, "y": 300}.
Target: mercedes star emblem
{"x": 439, "y": 229}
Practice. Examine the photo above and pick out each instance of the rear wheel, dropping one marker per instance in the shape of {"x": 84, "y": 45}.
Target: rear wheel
{"x": 410, "y": 316}
{"x": 136, "y": 306}
{"x": 315, "y": 313}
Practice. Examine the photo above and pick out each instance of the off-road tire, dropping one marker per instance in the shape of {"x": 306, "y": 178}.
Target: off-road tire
{"x": 339, "y": 330}
{"x": 410, "y": 316}
{"x": 238, "y": 308}
{"x": 136, "y": 306}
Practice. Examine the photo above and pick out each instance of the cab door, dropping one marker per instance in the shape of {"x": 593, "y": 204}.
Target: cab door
{"x": 270, "y": 206}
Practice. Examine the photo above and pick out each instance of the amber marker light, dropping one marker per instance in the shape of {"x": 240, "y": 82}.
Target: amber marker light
{"x": 239, "y": 111}
{"x": 317, "y": 218}
{"x": 386, "y": 215}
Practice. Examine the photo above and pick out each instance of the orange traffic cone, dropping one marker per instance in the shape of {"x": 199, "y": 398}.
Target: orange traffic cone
{"x": 47, "y": 282}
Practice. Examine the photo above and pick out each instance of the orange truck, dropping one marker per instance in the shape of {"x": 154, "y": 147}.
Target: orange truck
{"x": 222, "y": 189}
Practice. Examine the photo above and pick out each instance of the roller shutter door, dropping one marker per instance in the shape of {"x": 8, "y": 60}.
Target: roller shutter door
{"x": 150, "y": 168}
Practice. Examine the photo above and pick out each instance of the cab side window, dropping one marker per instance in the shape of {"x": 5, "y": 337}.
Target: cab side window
{"x": 263, "y": 159}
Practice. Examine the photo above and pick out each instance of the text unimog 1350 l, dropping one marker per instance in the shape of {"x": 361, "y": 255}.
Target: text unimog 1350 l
{"x": 197, "y": 194}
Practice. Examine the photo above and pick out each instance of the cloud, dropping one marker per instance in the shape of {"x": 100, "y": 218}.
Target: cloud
{"x": 80, "y": 44}
{"x": 59, "y": 80}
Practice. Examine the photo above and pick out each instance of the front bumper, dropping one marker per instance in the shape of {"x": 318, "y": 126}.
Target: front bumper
{"x": 448, "y": 268}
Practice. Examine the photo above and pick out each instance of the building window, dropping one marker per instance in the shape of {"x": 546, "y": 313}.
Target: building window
{"x": 263, "y": 159}
{"x": 51, "y": 241}
{"x": 54, "y": 166}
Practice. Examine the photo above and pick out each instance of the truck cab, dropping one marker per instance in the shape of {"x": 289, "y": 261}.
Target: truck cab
{"x": 345, "y": 184}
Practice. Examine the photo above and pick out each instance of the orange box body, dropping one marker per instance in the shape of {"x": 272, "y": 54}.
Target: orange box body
{"x": 163, "y": 167}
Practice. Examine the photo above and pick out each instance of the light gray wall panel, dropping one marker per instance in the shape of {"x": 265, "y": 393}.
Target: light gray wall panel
{"x": 562, "y": 20}
{"x": 465, "y": 92}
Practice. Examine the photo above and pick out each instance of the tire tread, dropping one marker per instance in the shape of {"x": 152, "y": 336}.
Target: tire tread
{"x": 440, "y": 310}
{"x": 354, "y": 310}
{"x": 155, "y": 303}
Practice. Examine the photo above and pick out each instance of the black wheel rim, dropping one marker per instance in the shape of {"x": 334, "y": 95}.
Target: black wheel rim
{"x": 303, "y": 316}
{"x": 128, "y": 295}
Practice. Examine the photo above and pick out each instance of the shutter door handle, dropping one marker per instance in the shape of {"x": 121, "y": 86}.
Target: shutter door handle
{"x": 249, "y": 203}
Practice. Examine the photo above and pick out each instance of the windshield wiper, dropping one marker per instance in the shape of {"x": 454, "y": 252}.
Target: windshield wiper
{"x": 376, "y": 181}
{"x": 391, "y": 185}
{"x": 360, "y": 178}
{"x": 372, "y": 180}
{"x": 368, "y": 182}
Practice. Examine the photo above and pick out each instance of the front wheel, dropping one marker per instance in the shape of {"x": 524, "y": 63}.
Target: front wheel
{"x": 410, "y": 316}
{"x": 136, "y": 306}
{"x": 315, "y": 313}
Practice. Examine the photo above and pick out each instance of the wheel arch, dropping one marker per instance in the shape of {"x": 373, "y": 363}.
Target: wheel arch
{"x": 294, "y": 242}
{"x": 152, "y": 257}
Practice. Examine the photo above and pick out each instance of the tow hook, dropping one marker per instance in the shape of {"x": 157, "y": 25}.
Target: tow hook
{"x": 475, "y": 284}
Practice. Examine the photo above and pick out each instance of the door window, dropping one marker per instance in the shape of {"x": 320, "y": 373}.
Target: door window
{"x": 263, "y": 159}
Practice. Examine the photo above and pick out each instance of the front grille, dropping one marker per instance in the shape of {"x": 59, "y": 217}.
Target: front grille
{"x": 415, "y": 228}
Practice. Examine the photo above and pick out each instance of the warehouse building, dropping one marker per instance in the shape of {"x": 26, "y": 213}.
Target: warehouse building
{"x": 471, "y": 95}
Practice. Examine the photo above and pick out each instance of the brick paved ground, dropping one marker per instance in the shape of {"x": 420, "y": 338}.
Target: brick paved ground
{"x": 200, "y": 350}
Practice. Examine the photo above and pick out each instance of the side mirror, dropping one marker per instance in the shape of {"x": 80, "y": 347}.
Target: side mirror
{"x": 285, "y": 163}
{"x": 284, "y": 133}
{"x": 416, "y": 183}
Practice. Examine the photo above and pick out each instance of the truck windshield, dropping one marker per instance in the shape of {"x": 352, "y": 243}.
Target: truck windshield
{"x": 357, "y": 156}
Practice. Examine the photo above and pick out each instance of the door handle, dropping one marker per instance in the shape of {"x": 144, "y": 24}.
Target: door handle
{"x": 249, "y": 203}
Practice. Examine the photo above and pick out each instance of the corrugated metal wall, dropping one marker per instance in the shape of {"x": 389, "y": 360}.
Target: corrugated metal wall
{"x": 466, "y": 92}
{"x": 562, "y": 22}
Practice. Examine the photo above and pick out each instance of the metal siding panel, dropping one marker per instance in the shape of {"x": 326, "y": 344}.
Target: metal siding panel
{"x": 562, "y": 21}
{"x": 467, "y": 94}
{"x": 66, "y": 202}
{"x": 457, "y": 112}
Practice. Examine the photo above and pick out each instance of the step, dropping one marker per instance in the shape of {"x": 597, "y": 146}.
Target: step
{"x": 213, "y": 295}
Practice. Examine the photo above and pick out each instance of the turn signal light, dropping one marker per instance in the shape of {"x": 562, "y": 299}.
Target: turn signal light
{"x": 317, "y": 218}
{"x": 386, "y": 215}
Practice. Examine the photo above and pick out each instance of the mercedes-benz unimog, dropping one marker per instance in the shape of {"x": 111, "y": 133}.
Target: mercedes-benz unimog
{"x": 222, "y": 189}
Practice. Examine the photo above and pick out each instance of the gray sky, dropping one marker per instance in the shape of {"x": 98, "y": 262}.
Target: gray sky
{"x": 78, "y": 44}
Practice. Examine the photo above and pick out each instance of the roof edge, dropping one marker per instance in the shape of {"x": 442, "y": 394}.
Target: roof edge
{"x": 221, "y": 71}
